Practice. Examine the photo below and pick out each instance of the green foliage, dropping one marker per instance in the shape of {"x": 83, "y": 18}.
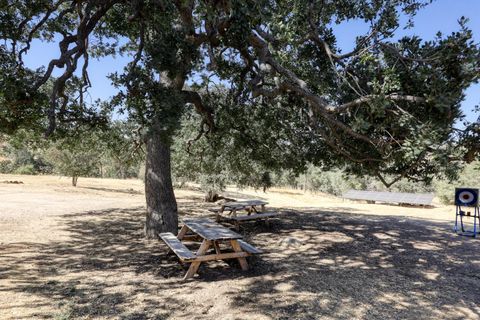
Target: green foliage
{"x": 121, "y": 150}
{"x": 293, "y": 98}
{"x": 114, "y": 152}
{"x": 24, "y": 153}
{"x": 25, "y": 169}
{"x": 5, "y": 166}
{"x": 21, "y": 106}
{"x": 242, "y": 149}
{"x": 390, "y": 137}
{"x": 332, "y": 182}
{"x": 469, "y": 177}
{"x": 337, "y": 182}
{"x": 76, "y": 157}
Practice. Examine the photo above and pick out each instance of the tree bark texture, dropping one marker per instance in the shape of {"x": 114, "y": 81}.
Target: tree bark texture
{"x": 162, "y": 215}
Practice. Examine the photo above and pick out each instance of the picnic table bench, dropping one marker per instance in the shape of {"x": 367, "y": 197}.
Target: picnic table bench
{"x": 230, "y": 210}
{"x": 211, "y": 234}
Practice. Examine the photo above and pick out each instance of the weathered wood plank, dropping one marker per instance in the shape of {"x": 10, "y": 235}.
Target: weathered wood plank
{"x": 255, "y": 216}
{"x": 252, "y": 202}
{"x": 182, "y": 232}
{"x": 243, "y": 204}
{"x": 196, "y": 264}
{"x": 248, "y": 247}
{"x": 222, "y": 256}
{"x": 192, "y": 237}
{"x": 182, "y": 252}
{"x": 210, "y": 230}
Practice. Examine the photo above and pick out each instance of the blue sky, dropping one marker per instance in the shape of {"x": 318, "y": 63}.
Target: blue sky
{"x": 441, "y": 15}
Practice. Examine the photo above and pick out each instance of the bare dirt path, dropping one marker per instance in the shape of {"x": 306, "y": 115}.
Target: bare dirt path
{"x": 79, "y": 253}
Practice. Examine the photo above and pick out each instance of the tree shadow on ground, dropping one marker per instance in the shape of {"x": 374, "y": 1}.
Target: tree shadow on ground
{"x": 316, "y": 265}
{"x": 127, "y": 191}
{"x": 107, "y": 269}
{"x": 342, "y": 265}
{"x": 94, "y": 274}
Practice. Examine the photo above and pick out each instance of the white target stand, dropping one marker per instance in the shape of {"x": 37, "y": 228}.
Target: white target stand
{"x": 467, "y": 207}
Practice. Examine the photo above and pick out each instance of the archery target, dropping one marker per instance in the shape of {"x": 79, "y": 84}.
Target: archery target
{"x": 466, "y": 197}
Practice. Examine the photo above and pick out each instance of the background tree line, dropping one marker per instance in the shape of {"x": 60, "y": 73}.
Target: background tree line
{"x": 103, "y": 152}
{"x": 211, "y": 164}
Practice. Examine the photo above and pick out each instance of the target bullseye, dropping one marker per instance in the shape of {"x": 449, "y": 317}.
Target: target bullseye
{"x": 466, "y": 197}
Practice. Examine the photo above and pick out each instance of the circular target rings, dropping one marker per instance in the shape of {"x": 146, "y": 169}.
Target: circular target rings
{"x": 466, "y": 197}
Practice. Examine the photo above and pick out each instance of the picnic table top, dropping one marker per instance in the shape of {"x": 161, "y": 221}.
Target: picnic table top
{"x": 244, "y": 203}
{"x": 210, "y": 230}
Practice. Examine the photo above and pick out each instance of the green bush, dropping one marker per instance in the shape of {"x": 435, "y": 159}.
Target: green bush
{"x": 469, "y": 177}
{"x": 5, "y": 166}
{"x": 25, "y": 169}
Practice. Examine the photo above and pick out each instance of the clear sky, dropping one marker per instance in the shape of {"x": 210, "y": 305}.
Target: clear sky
{"x": 441, "y": 15}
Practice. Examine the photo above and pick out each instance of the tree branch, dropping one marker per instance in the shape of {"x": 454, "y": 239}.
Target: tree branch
{"x": 368, "y": 98}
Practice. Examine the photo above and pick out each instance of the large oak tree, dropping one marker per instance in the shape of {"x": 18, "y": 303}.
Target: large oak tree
{"x": 387, "y": 108}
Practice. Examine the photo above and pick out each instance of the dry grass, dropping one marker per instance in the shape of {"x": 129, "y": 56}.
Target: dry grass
{"x": 79, "y": 253}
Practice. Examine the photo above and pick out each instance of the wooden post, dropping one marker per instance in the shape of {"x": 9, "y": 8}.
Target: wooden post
{"x": 217, "y": 247}
{"x": 182, "y": 232}
{"x": 237, "y": 248}
{"x": 196, "y": 264}
{"x": 219, "y": 211}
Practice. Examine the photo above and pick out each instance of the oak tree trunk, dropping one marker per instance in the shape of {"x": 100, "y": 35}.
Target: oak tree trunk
{"x": 162, "y": 213}
{"x": 74, "y": 180}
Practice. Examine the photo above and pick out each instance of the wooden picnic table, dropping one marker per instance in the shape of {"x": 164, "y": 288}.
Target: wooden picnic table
{"x": 255, "y": 209}
{"x": 249, "y": 205}
{"x": 211, "y": 235}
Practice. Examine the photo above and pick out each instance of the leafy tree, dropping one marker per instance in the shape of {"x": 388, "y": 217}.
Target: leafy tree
{"x": 241, "y": 151}
{"x": 387, "y": 108}
{"x": 75, "y": 157}
{"x": 122, "y": 150}
{"x": 23, "y": 152}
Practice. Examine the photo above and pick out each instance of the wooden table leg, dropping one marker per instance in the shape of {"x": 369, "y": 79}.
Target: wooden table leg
{"x": 217, "y": 247}
{"x": 243, "y": 261}
{"x": 182, "y": 232}
{"x": 219, "y": 213}
{"x": 196, "y": 264}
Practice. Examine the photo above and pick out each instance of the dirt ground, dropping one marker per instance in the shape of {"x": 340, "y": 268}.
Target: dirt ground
{"x": 79, "y": 253}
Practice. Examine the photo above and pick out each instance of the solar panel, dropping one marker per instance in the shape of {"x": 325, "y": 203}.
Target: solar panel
{"x": 395, "y": 197}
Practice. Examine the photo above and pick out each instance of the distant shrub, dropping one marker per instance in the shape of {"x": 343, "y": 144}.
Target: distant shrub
{"x": 469, "y": 177}
{"x": 329, "y": 182}
{"x": 5, "y": 166}
{"x": 25, "y": 169}
{"x": 411, "y": 186}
